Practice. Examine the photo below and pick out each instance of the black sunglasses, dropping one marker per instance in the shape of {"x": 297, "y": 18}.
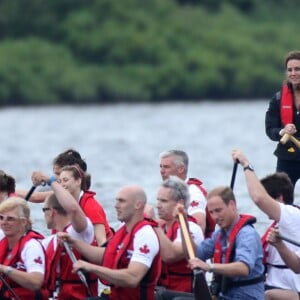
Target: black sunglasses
{"x": 44, "y": 209}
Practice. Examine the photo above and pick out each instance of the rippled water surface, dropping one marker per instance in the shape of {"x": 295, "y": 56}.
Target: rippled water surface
{"x": 121, "y": 144}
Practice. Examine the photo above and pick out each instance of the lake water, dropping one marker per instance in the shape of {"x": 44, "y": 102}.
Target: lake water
{"x": 121, "y": 144}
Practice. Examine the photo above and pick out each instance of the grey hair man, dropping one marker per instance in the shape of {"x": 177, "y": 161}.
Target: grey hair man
{"x": 176, "y": 162}
{"x": 175, "y": 275}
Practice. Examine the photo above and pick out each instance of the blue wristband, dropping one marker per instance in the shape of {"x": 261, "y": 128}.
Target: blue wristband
{"x": 51, "y": 180}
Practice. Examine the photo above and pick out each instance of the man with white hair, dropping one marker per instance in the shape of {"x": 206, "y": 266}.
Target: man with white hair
{"x": 175, "y": 162}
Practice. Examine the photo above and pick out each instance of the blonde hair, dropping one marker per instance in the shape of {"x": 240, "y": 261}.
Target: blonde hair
{"x": 22, "y": 207}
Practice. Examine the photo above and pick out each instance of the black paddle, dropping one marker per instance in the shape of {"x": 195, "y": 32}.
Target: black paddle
{"x": 15, "y": 296}
{"x": 32, "y": 189}
{"x": 235, "y": 165}
{"x": 79, "y": 272}
{"x": 30, "y": 192}
{"x": 284, "y": 238}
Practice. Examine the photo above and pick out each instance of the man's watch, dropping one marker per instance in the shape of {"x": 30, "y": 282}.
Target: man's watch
{"x": 249, "y": 167}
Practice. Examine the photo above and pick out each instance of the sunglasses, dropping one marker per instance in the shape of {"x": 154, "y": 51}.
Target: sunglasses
{"x": 10, "y": 218}
{"x": 44, "y": 209}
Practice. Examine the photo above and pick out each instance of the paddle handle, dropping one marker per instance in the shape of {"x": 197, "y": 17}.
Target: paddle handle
{"x": 186, "y": 235}
{"x": 284, "y": 238}
{"x": 74, "y": 259}
{"x": 295, "y": 141}
{"x": 200, "y": 287}
{"x": 15, "y": 296}
{"x": 30, "y": 192}
{"x": 287, "y": 137}
{"x": 232, "y": 181}
{"x": 32, "y": 189}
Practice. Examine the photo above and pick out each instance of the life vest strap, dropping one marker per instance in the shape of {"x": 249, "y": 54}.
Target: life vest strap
{"x": 278, "y": 266}
{"x": 258, "y": 279}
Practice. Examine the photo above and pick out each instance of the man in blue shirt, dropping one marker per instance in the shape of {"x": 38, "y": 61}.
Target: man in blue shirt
{"x": 238, "y": 270}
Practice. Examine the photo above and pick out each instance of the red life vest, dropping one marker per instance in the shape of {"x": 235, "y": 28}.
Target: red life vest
{"x": 116, "y": 257}
{"x": 70, "y": 285}
{"x": 286, "y": 105}
{"x": 14, "y": 259}
{"x": 84, "y": 201}
{"x": 225, "y": 282}
{"x": 264, "y": 242}
{"x": 176, "y": 276}
{"x": 244, "y": 220}
{"x": 210, "y": 223}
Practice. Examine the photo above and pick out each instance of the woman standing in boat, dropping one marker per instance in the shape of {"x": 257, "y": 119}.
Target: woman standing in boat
{"x": 283, "y": 117}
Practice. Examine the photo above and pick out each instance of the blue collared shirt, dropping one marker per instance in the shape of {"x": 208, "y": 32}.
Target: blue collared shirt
{"x": 248, "y": 249}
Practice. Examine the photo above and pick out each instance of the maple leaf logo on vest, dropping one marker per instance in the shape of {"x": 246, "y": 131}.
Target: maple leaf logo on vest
{"x": 194, "y": 203}
{"x": 144, "y": 249}
{"x": 38, "y": 260}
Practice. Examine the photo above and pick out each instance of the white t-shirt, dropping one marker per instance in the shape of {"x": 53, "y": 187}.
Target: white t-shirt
{"x": 33, "y": 257}
{"x": 145, "y": 246}
{"x": 2, "y": 235}
{"x": 289, "y": 225}
{"x": 197, "y": 200}
{"x": 195, "y": 231}
{"x": 87, "y": 235}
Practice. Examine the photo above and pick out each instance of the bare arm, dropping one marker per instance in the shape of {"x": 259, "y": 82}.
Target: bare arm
{"x": 32, "y": 281}
{"x": 197, "y": 197}
{"x": 36, "y": 197}
{"x": 66, "y": 200}
{"x": 100, "y": 233}
{"x": 256, "y": 190}
{"x": 200, "y": 219}
{"x": 94, "y": 254}
{"x": 169, "y": 251}
{"x": 129, "y": 277}
{"x": 291, "y": 259}
{"x": 228, "y": 269}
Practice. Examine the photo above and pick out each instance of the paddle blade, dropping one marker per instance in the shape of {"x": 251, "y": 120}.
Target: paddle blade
{"x": 200, "y": 287}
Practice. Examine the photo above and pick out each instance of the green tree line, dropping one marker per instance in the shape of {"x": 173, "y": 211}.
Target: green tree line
{"x": 98, "y": 51}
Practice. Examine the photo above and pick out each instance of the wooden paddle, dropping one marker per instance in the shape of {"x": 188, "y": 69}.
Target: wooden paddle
{"x": 287, "y": 137}
{"x": 200, "y": 287}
